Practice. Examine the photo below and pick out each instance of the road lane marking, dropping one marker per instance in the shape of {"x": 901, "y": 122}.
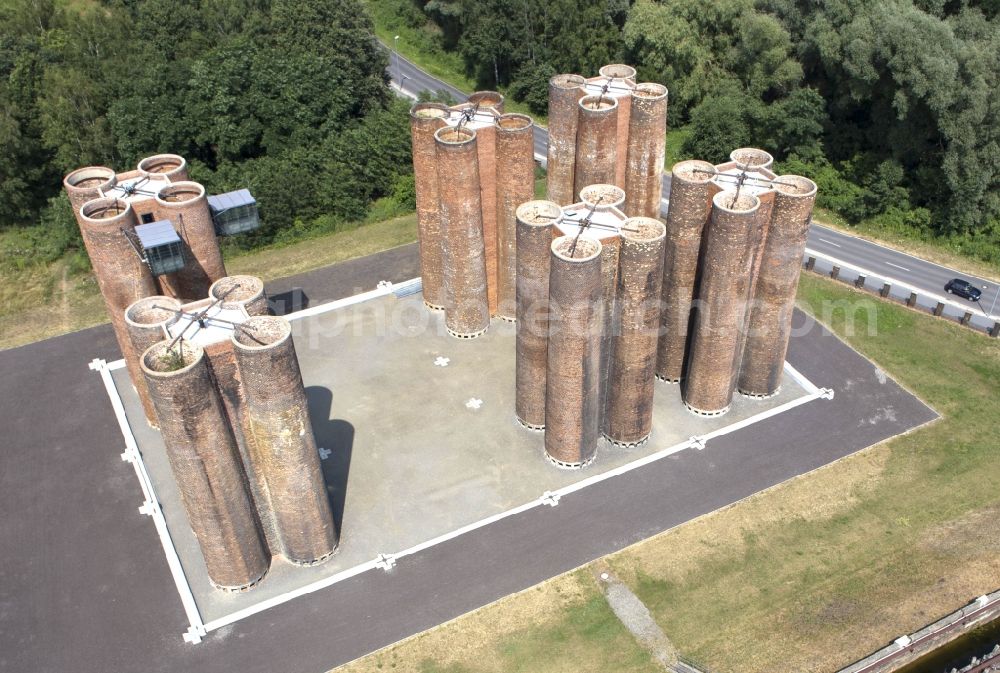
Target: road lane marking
{"x": 897, "y": 266}
{"x": 836, "y": 245}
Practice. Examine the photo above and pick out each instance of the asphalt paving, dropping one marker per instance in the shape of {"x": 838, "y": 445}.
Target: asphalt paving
{"x": 84, "y": 586}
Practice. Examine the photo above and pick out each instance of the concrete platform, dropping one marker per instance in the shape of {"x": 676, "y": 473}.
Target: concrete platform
{"x": 419, "y": 443}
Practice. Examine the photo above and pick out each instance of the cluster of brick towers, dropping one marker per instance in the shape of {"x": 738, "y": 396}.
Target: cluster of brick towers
{"x": 608, "y": 297}
{"x": 214, "y": 372}
{"x": 473, "y": 165}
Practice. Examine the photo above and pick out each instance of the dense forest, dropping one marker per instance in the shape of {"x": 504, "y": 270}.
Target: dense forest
{"x": 891, "y": 105}
{"x": 286, "y": 97}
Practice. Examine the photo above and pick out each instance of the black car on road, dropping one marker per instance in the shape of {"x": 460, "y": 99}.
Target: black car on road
{"x": 963, "y": 288}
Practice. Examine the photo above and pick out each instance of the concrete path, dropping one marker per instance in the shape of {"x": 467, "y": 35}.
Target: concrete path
{"x": 635, "y": 616}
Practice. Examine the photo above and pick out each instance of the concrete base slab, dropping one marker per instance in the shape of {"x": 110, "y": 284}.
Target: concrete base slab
{"x": 419, "y": 442}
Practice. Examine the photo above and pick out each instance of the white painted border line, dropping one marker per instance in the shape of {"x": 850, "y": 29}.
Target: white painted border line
{"x": 388, "y": 289}
{"x": 797, "y": 376}
{"x": 906, "y": 286}
{"x": 288, "y": 595}
{"x": 151, "y": 506}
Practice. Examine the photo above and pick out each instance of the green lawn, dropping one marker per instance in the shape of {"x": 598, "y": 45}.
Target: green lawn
{"x": 811, "y": 574}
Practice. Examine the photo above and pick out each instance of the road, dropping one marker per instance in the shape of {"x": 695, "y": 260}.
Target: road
{"x": 887, "y": 263}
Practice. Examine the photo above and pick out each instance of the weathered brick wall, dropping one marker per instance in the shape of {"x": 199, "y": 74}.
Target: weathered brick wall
{"x": 86, "y": 184}
{"x": 146, "y": 322}
{"x": 689, "y": 210}
{"x": 467, "y": 311}
{"x": 122, "y": 276}
{"x": 770, "y": 321}
{"x": 610, "y": 247}
{"x": 636, "y": 320}
{"x": 596, "y": 142}
{"x": 486, "y": 148}
{"x": 716, "y": 334}
{"x": 222, "y": 362}
{"x": 535, "y": 220}
{"x": 565, "y": 92}
{"x": 572, "y": 403}
{"x": 487, "y": 100}
{"x": 622, "y": 76}
{"x": 280, "y": 439}
{"x": 171, "y": 166}
{"x": 646, "y": 151}
{"x": 186, "y": 206}
{"x": 425, "y": 119}
{"x": 206, "y": 465}
{"x": 241, "y": 291}
{"x": 749, "y": 159}
{"x": 515, "y": 184}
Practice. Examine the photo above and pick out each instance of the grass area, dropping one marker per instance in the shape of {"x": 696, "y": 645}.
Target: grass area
{"x": 45, "y": 300}
{"x": 419, "y": 45}
{"x": 824, "y": 569}
{"x": 552, "y": 627}
{"x": 808, "y": 575}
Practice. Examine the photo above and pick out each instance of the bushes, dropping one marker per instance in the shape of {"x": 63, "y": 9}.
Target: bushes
{"x": 56, "y": 235}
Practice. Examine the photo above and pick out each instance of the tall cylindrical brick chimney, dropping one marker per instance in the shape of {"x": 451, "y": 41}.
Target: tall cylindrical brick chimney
{"x": 751, "y": 158}
{"x": 515, "y": 180}
{"x": 597, "y": 140}
{"x": 281, "y": 442}
{"x": 565, "y": 92}
{"x": 637, "y": 320}
{"x": 572, "y": 404}
{"x": 185, "y": 205}
{"x": 146, "y": 322}
{"x": 620, "y": 76}
{"x": 425, "y": 119}
{"x": 206, "y": 464}
{"x": 535, "y": 220}
{"x": 647, "y": 143}
{"x": 770, "y": 320}
{"x": 492, "y": 100}
{"x": 489, "y": 102}
{"x": 689, "y": 210}
{"x": 87, "y": 184}
{"x": 171, "y": 166}
{"x": 241, "y": 291}
{"x": 719, "y": 317}
{"x": 603, "y": 198}
{"x": 121, "y": 274}
{"x": 467, "y": 313}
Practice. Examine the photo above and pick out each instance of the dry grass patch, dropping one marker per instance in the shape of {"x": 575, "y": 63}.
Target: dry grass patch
{"x": 560, "y": 626}
{"x": 822, "y": 570}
